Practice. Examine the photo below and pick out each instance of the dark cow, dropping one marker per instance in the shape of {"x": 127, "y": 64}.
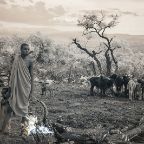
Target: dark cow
{"x": 101, "y": 82}
{"x": 141, "y": 81}
{"x": 132, "y": 88}
{"x": 125, "y": 83}
{"x": 119, "y": 82}
{"x": 1, "y": 83}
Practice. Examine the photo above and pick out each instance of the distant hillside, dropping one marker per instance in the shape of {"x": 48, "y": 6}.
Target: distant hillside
{"x": 136, "y": 42}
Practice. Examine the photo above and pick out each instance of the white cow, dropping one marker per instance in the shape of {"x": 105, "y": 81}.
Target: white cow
{"x": 131, "y": 88}
{"x": 135, "y": 91}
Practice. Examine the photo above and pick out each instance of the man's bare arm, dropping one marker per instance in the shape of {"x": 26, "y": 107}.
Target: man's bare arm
{"x": 31, "y": 74}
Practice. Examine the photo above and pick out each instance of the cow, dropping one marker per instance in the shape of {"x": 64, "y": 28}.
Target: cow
{"x": 101, "y": 82}
{"x": 131, "y": 88}
{"x": 125, "y": 83}
{"x": 1, "y": 83}
{"x": 120, "y": 82}
{"x": 138, "y": 91}
{"x": 141, "y": 81}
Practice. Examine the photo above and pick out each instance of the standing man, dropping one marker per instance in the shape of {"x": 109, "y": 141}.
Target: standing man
{"x": 21, "y": 84}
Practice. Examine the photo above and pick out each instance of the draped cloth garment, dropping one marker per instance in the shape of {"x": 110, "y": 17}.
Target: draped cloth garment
{"x": 20, "y": 83}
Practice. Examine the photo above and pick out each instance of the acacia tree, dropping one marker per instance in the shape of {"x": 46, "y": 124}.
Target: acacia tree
{"x": 98, "y": 24}
{"x": 92, "y": 54}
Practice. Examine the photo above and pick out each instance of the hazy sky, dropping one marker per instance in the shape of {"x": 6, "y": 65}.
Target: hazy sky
{"x": 62, "y": 15}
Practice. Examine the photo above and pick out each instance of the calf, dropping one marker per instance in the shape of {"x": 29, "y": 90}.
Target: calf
{"x": 47, "y": 86}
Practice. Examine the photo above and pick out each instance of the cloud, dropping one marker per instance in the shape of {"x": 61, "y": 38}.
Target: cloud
{"x": 121, "y": 12}
{"x": 1, "y": 25}
{"x": 58, "y": 10}
{"x": 129, "y": 13}
{"x": 36, "y": 14}
{"x": 3, "y": 2}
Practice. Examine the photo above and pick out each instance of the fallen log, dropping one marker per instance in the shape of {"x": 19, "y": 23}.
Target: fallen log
{"x": 125, "y": 137}
{"x": 64, "y": 134}
{"x": 133, "y": 133}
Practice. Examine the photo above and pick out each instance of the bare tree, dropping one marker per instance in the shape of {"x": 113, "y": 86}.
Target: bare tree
{"x": 92, "y": 54}
{"x": 93, "y": 67}
{"x": 98, "y": 24}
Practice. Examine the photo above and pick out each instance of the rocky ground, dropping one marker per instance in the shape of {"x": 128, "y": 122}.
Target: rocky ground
{"x": 72, "y": 106}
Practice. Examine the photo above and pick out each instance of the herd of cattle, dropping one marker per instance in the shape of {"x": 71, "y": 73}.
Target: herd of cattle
{"x": 127, "y": 85}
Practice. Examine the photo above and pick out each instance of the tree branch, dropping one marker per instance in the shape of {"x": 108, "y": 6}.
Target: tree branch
{"x": 93, "y": 54}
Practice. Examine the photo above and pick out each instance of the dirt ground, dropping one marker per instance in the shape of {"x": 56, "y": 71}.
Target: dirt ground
{"x": 72, "y": 106}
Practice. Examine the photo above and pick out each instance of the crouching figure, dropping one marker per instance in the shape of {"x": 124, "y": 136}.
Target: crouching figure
{"x": 5, "y": 112}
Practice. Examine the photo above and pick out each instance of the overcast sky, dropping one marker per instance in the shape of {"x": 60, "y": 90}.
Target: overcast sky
{"x": 62, "y": 15}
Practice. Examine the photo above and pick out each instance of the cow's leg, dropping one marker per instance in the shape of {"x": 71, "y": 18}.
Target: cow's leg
{"x": 104, "y": 91}
{"x": 125, "y": 89}
{"x": 112, "y": 91}
{"x": 91, "y": 90}
{"x": 101, "y": 91}
{"x": 45, "y": 92}
{"x": 134, "y": 94}
{"x": 142, "y": 93}
{"x": 130, "y": 94}
{"x": 118, "y": 90}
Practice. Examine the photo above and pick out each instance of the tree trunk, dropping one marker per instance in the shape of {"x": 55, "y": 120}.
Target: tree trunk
{"x": 114, "y": 60}
{"x": 93, "y": 67}
{"x": 98, "y": 64}
{"x": 91, "y": 54}
{"x": 108, "y": 63}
